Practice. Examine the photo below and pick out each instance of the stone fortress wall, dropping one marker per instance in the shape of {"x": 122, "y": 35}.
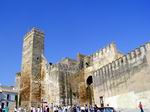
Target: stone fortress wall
{"x": 126, "y": 81}
{"x": 101, "y": 58}
{"x": 56, "y": 88}
{"x": 122, "y": 80}
{"x": 105, "y": 55}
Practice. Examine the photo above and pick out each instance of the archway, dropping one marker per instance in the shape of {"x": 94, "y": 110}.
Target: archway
{"x": 89, "y": 90}
{"x": 89, "y": 80}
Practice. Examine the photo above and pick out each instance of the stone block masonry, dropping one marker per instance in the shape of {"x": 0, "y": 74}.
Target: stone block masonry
{"x": 122, "y": 80}
{"x": 33, "y": 48}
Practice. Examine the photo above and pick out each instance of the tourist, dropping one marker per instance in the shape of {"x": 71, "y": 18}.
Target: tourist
{"x": 82, "y": 109}
{"x": 5, "y": 109}
{"x": 55, "y": 109}
{"x": 41, "y": 109}
{"x": 74, "y": 108}
{"x": 19, "y": 109}
{"x": 38, "y": 109}
{"x": 78, "y": 108}
{"x": 51, "y": 107}
{"x": 15, "y": 109}
{"x": 65, "y": 109}
{"x": 47, "y": 108}
{"x": 95, "y": 108}
{"x": 90, "y": 108}
{"x": 69, "y": 108}
{"x": 34, "y": 109}
{"x": 23, "y": 110}
{"x": 86, "y": 108}
{"x": 31, "y": 109}
{"x": 60, "y": 109}
{"x": 141, "y": 107}
{"x": 0, "y": 108}
{"x": 107, "y": 105}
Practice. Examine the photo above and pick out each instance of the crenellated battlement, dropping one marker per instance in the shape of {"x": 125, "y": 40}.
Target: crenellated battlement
{"x": 35, "y": 30}
{"x": 111, "y": 47}
{"x": 131, "y": 59}
{"x": 106, "y": 73}
{"x": 64, "y": 67}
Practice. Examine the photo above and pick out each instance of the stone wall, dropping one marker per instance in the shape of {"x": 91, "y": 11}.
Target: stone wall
{"x": 33, "y": 48}
{"x": 101, "y": 58}
{"x": 55, "y": 81}
{"x": 49, "y": 83}
{"x": 125, "y": 81}
{"x": 78, "y": 88}
{"x": 105, "y": 56}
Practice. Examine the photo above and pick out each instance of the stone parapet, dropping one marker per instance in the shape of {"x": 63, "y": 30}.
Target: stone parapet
{"x": 64, "y": 67}
{"x": 33, "y": 30}
{"x": 131, "y": 59}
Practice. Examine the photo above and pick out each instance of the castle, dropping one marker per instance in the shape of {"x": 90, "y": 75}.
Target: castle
{"x": 106, "y": 75}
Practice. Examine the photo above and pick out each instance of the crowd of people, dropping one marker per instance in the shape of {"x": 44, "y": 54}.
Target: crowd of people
{"x": 55, "y": 108}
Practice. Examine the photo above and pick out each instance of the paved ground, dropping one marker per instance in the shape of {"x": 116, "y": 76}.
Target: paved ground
{"x": 133, "y": 110}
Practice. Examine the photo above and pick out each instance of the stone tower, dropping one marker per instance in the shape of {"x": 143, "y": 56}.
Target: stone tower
{"x": 33, "y": 47}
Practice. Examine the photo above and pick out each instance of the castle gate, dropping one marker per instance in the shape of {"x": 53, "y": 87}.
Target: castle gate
{"x": 89, "y": 90}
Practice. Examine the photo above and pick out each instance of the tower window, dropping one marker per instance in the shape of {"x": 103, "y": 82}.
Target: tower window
{"x": 87, "y": 64}
{"x": 50, "y": 63}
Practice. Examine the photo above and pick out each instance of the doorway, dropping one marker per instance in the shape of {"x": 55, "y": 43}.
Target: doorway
{"x": 89, "y": 90}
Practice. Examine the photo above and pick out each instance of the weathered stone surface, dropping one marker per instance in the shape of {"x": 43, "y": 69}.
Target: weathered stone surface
{"x": 122, "y": 80}
{"x": 33, "y": 48}
{"x": 128, "y": 82}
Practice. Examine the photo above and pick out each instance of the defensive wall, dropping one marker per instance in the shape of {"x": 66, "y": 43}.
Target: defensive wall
{"x": 125, "y": 82}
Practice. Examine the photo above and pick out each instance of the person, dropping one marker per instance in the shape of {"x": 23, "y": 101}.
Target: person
{"x": 65, "y": 109}
{"x": 6, "y": 109}
{"x": 31, "y": 109}
{"x": 41, "y": 109}
{"x": 86, "y": 108}
{"x": 90, "y": 108}
{"x": 74, "y": 108}
{"x": 82, "y": 109}
{"x": 69, "y": 108}
{"x": 55, "y": 109}
{"x": 19, "y": 109}
{"x": 107, "y": 105}
{"x": 141, "y": 107}
{"x": 95, "y": 108}
{"x": 47, "y": 108}
{"x": 78, "y": 108}
{"x": 51, "y": 107}
{"x": 15, "y": 109}
{"x": 34, "y": 109}
{"x": 24, "y": 110}
{"x": 59, "y": 109}
{"x": 0, "y": 108}
{"x": 38, "y": 109}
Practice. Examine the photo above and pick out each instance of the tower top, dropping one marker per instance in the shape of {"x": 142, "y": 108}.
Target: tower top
{"x": 34, "y": 30}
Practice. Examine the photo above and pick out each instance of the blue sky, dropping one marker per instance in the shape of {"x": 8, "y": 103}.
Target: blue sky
{"x": 70, "y": 26}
